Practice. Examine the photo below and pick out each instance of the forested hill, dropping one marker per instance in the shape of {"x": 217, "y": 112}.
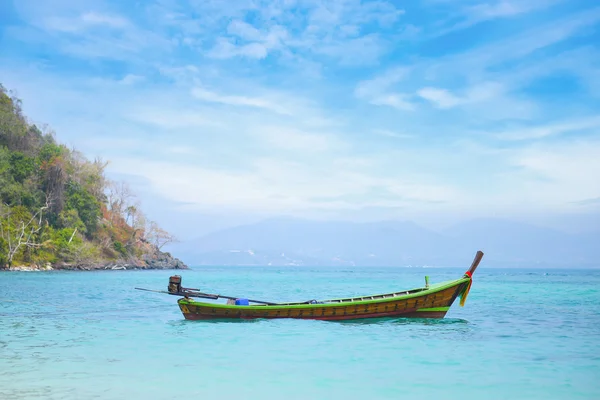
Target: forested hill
{"x": 58, "y": 210}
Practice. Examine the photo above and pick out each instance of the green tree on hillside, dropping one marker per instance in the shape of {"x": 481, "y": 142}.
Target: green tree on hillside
{"x": 58, "y": 207}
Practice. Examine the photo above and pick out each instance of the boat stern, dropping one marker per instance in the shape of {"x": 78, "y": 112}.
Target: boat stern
{"x": 185, "y": 308}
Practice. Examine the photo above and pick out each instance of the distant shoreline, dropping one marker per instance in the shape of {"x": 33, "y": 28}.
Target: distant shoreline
{"x": 158, "y": 261}
{"x": 129, "y": 268}
{"x": 81, "y": 268}
{"x": 132, "y": 267}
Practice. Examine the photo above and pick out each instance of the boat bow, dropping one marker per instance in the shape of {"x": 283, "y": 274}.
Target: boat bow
{"x": 469, "y": 274}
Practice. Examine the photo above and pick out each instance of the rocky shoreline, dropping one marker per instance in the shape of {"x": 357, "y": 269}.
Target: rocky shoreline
{"x": 157, "y": 261}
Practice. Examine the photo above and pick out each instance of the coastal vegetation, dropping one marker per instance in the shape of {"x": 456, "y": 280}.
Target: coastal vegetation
{"x": 59, "y": 210}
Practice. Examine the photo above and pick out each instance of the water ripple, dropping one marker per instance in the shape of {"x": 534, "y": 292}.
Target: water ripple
{"x": 112, "y": 342}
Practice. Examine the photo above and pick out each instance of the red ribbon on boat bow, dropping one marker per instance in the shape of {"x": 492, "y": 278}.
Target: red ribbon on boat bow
{"x": 465, "y": 293}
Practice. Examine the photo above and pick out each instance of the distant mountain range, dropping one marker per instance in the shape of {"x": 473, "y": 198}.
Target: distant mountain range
{"x": 287, "y": 241}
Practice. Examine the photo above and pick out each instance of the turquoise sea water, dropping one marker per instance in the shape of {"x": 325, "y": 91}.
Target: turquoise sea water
{"x": 523, "y": 334}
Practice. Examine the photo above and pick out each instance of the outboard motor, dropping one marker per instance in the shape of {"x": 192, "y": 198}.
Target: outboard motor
{"x": 174, "y": 284}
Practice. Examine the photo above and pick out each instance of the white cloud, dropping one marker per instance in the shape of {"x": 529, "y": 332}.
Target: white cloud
{"x": 363, "y": 50}
{"x": 440, "y": 97}
{"x": 381, "y": 83}
{"x": 395, "y": 100}
{"x": 443, "y": 98}
{"x": 478, "y": 81}
{"x": 554, "y": 129}
{"x": 329, "y": 29}
{"x": 482, "y": 12}
{"x": 522, "y": 43}
{"x": 378, "y": 91}
{"x": 256, "y": 43}
{"x": 286, "y": 138}
{"x": 75, "y": 30}
{"x": 392, "y": 134}
{"x": 234, "y": 100}
{"x": 244, "y": 30}
{"x": 85, "y": 21}
{"x": 327, "y": 16}
{"x": 226, "y": 49}
{"x": 113, "y": 21}
{"x": 500, "y": 9}
{"x": 131, "y": 79}
{"x": 169, "y": 118}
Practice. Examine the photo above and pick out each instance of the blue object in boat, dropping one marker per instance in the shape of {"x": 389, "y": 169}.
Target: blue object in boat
{"x": 242, "y": 302}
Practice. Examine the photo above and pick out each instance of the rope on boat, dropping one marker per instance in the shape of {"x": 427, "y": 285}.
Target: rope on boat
{"x": 465, "y": 293}
{"x": 469, "y": 274}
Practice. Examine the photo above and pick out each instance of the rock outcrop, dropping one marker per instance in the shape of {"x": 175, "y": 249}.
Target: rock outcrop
{"x": 162, "y": 260}
{"x": 152, "y": 260}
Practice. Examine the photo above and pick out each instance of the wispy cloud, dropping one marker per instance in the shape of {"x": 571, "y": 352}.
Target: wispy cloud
{"x": 257, "y": 44}
{"x": 589, "y": 202}
{"x": 286, "y": 107}
{"x": 173, "y": 119}
{"x": 131, "y": 79}
{"x": 113, "y": 21}
{"x": 331, "y": 30}
{"x": 392, "y": 134}
{"x": 206, "y": 95}
{"x": 292, "y": 139}
{"x": 441, "y": 97}
{"x": 559, "y": 128}
{"x": 491, "y": 76}
{"x": 474, "y": 14}
{"x": 396, "y": 100}
{"x": 81, "y": 32}
{"x": 378, "y": 91}
{"x": 84, "y": 22}
{"x": 381, "y": 83}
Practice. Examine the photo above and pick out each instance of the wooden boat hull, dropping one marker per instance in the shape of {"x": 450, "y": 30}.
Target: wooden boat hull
{"x": 430, "y": 302}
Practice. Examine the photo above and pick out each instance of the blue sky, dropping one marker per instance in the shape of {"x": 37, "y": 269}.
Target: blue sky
{"x": 214, "y": 111}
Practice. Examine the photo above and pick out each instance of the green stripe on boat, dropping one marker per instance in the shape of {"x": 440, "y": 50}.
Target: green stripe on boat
{"x": 434, "y": 309}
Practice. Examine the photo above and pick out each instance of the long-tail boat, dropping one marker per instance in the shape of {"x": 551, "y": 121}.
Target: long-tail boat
{"x": 430, "y": 301}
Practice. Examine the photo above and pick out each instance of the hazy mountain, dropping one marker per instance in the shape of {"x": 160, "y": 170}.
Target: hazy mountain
{"x": 287, "y": 241}
{"x": 516, "y": 243}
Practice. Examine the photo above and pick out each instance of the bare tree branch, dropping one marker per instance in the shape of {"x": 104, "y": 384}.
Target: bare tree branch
{"x": 24, "y": 235}
{"x": 158, "y": 236}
